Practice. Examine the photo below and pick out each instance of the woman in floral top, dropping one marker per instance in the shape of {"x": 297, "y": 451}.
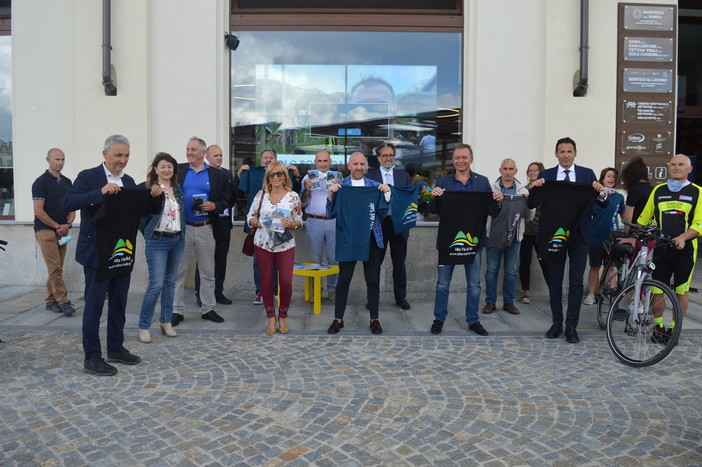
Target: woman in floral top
{"x": 164, "y": 234}
{"x": 276, "y": 212}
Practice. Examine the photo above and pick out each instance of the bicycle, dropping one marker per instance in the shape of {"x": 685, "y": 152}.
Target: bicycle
{"x": 615, "y": 268}
{"x": 632, "y": 332}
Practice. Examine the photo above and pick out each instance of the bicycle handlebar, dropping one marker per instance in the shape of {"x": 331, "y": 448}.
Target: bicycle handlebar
{"x": 649, "y": 232}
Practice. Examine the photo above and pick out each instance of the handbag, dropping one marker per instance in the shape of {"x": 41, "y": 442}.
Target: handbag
{"x": 248, "y": 246}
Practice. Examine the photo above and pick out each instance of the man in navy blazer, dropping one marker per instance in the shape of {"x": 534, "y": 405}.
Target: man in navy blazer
{"x": 387, "y": 174}
{"x": 577, "y": 245}
{"x": 87, "y": 195}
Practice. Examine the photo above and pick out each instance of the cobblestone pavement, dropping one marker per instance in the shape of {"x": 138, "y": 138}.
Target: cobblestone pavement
{"x": 226, "y": 399}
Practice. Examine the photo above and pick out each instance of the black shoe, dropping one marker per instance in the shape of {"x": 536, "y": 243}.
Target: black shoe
{"x": 478, "y": 328}
{"x": 436, "y": 326}
{"x": 375, "y": 327}
{"x": 212, "y": 316}
{"x": 554, "y": 331}
{"x": 53, "y": 307}
{"x": 67, "y": 309}
{"x": 403, "y": 303}
{"x": 335, "y": 326}
{"x": 176, "y": 318}
{"x": 659, "y": 335}
{"x": 571, "y": 335}
{"x": 223, "y": 300}
{"x": 97, "y": 366}
{"x": 199, "y": 302}
{"x": 123, "y": 356}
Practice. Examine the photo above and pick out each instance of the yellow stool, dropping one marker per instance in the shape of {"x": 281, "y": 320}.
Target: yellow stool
{"x": 317, "y": 274}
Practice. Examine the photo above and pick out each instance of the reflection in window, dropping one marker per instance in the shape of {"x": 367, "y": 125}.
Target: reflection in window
{"x": 7, "y": 205}
{"x": 302, "y": 91}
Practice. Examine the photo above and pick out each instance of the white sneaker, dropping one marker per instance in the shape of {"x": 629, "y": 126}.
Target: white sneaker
{"x": 590, "y": 299}
{"x": 258, "y": 300}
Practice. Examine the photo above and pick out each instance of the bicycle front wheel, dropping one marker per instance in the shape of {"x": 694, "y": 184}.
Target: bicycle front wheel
{"x": 634, "y": 338}
{"x": 609, "y": 287}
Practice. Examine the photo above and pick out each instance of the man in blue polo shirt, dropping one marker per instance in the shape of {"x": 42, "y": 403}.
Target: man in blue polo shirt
{"x": 51, "y": 224}
{"x": 207, "y": 194}
{"x": 463, "y": 179}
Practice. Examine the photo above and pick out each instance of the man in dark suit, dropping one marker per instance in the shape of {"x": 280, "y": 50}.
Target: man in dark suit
{"x": 207, "y": 195}
{"x": 388, "y": 175}
{"x": 222, "y": 232}
{"x": 577, "y": 246}
{"x": 87, "y": 195}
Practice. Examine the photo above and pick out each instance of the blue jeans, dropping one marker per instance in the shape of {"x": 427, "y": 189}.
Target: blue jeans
{"x": 509, "y": 282}
{"x": 163, "y": 257}
{"x": 443, "y": 281}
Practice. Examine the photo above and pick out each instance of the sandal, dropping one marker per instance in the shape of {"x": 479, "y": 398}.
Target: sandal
{"x": 283, "y": 327}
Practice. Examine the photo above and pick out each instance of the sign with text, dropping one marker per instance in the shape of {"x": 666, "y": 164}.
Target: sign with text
{"x": 648, "y": 80}
{"x": 649, "y": 17}
{"x": 647, "y": 142}
{"x": 647, "y": 112}
{"x": 648, "y": 49}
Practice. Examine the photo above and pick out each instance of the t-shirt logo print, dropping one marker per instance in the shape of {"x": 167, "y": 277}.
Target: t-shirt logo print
{"x": 122, "y": 247}
{"x": 410, "y": 213}
{"x": 463, "y": 244}
{"x": 558, "y": 241}
{"x": 122, "y": 255}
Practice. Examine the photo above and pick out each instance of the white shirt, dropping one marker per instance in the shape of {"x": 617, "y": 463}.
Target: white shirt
{"x": 562, "y": 175}
{"x": 388, "y": 178}
{"x": 111, "y": 179}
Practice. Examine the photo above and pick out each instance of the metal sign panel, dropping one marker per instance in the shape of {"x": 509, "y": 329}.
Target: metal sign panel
{"x": 648, "y": 80}
{"x": 647, "y": 112}
{"x": 649, "y": 18}
{"x": 658, "y": 143}
{"x": 648, "y": 49}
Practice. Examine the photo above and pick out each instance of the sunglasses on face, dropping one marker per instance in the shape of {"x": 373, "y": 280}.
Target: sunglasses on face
{"x": 276, "y": 175}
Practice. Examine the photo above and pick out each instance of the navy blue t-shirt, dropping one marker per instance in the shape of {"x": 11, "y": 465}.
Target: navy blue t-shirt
{"x": 51, "y": 190}
{"x": 355, "y": 209}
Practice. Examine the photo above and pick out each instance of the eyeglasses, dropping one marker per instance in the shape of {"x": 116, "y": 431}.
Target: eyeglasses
{"x": 276, "y": 175}
{"x": 532, "y": 170}
{"x": 387, "y": 155}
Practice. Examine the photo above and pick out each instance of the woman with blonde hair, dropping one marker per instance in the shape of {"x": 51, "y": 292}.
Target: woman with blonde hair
{"x": 275, "y": 212}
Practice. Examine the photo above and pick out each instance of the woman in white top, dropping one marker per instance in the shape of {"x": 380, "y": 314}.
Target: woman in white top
{"x": 276, "y": 212}
{"x": 164, "y": 234}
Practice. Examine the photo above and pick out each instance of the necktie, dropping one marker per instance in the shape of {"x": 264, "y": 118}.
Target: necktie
{"x": 567, "y": 177}
{"x": 388, "y": 179}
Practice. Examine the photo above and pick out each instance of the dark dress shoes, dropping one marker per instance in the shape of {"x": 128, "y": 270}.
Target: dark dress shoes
{"x": 403, "y": 303}
{"x": 212, "y": 316}
{"x": 122, "y": 356}
{"x": 335, "y": 326}
{"x": 223, "y": 300}
{"x": 554, "y": 331}
{"x": 571, "y": 335}
{"x": 478, "y": 329}
{"x": 176, "y": 318}
{"x": 98, "y": 367}
{"x": 375, "y": 327}
{"x": 436, "y": 326}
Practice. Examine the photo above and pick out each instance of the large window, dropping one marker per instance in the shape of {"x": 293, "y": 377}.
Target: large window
{"x": 7, "y": 205}
{"x": 345, "y": 91}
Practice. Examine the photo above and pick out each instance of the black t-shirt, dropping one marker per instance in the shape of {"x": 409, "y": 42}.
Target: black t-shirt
{"x": 637, "y": 196}
{"x": 51, "y": 190}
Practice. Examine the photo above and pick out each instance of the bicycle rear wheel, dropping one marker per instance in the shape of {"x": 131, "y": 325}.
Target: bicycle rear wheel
{"x": 636, "y": 342}
{"x": 609, "y": 287}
